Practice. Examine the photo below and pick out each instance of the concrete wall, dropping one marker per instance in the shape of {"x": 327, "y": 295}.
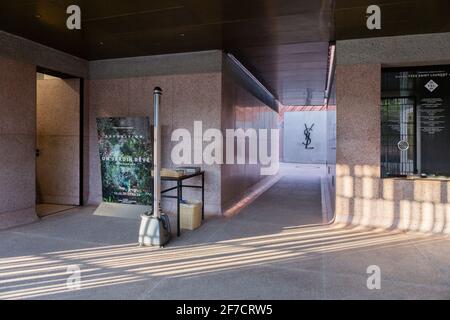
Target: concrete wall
{"x": 331, "y": 145}
{"x": 362, "y": 197}
{"x": 331, "y": 154}
{"x": 241, "y": 110}
{"x": 20, "y": 49}
{"x": 18, "y": 61}
{"x": 196, "y": 87}
{"x": 294, "y": 127}
{"x": 191, "y": 86}
{"x": 17, "y": 142}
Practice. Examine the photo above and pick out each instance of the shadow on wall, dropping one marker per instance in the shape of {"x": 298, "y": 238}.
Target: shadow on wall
{"x": 362, "y": 198}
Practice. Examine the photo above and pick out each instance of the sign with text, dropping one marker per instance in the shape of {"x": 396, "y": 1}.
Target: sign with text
{"x": 126, "y": 158}
{"x": 429, "y": 90}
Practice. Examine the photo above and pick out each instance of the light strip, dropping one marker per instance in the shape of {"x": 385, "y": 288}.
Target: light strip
{"x": 330, "y": 74}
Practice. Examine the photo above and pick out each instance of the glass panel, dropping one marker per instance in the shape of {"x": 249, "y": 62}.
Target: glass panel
{"x": 398, "y": 137}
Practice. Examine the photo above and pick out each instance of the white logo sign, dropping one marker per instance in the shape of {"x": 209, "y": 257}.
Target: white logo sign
{"x": 431, "y": 85}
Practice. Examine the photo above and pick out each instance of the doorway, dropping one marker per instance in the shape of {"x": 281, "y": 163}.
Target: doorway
{"x": 58, "y": 142}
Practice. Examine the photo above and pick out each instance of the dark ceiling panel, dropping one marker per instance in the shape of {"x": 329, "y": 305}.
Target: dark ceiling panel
{"x": 111, "y": 9}
{"x": 398, "y": 17}
{"x": 283, "y": 42}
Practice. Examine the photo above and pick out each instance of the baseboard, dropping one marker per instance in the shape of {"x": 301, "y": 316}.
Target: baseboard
{"x": 17, "y": 218}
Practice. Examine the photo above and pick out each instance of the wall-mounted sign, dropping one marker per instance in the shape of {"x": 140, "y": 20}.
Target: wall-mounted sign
{"x": 427, "y": 121}
{"x": 126, "y": 158}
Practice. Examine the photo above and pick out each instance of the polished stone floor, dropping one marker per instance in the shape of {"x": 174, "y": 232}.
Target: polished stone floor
{"x": 274, "y": 249}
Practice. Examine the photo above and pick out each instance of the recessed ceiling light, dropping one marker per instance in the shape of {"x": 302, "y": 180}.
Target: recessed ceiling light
{"x": 182, "y": 34}
{"x": 38, "y": 16}
{"x": 101, "y": 43}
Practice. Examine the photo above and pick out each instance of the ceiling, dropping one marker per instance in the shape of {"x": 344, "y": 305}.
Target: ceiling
{"x": 284, "y": 43}
{"x": 399, "y": 17}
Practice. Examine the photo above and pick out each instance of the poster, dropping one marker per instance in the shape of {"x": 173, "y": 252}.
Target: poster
{"x": 126, "y": 159}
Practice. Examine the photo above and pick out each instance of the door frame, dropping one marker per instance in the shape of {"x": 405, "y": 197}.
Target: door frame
{"x": 81, "y": 125}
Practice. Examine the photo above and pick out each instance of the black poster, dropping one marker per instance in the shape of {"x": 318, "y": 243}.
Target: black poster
{"x": 429, "y": 88}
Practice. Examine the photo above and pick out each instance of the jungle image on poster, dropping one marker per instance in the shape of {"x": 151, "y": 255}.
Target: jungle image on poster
{"x": 126, "y": 158}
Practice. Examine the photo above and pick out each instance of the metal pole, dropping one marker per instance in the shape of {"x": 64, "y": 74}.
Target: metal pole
{"x": 418, "y": 138}
{"x": 157, "y": 93}
{"x": 203, "y": 196}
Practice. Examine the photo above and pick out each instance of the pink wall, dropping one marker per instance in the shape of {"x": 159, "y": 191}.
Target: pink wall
{"x": 17, "y": 142}
{"x": 186, "y": 98}
{"x": 213, "y": 97}
{"x": 18, "y": 61}
{"x": 240, "y": 109}
{"x": 193, "y": 90}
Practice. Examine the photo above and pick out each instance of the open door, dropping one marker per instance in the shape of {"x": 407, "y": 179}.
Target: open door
{"x": 58, "y": 144}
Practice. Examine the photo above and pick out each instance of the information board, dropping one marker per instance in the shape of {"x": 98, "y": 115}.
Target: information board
{"x": 429, "y": 87}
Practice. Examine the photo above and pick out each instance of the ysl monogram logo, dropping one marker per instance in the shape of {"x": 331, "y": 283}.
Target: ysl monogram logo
{"x": 307, "y": 134}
